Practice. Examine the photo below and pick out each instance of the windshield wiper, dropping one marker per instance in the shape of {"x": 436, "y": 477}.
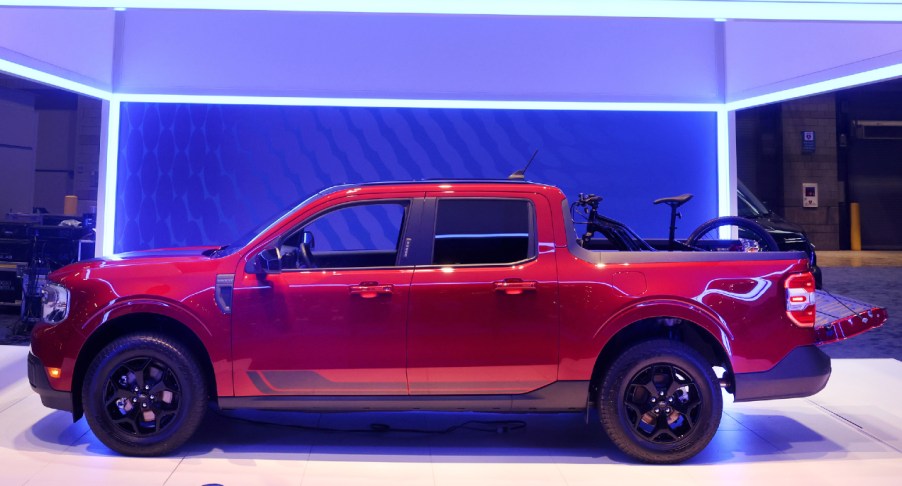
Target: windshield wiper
{"x": 214, "y": 252}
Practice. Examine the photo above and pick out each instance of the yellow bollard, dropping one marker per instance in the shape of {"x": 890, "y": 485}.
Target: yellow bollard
{"x": 70, "y": 205}
{"x": 855, "y": 223}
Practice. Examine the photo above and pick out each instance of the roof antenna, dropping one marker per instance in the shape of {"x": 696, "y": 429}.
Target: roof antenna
{"x": 520, "y": 174}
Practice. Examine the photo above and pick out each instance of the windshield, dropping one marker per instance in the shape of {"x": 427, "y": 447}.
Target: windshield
{"x": 268, "y": 223}
{"x": 749, "y": 205}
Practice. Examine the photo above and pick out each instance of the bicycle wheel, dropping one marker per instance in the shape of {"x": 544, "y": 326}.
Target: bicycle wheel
{"x": 732, "y": 233}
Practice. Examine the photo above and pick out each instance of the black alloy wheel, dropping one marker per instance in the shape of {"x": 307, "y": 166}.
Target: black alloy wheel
{"x": 660, "y": 402}
{"x": 144, "y": 395}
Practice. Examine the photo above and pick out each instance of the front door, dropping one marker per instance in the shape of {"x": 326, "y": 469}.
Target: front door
{"x": 333, "y": 322}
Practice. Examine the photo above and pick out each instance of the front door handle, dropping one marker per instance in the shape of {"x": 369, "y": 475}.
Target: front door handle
{"x": 370, "y": 290}
{"x": 515, "y": 286}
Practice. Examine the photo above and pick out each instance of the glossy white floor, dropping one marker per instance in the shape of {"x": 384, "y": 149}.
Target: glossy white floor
{"x": 851, "y": 433}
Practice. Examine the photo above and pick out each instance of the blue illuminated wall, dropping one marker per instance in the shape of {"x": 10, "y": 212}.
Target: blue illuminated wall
{"x": 193, "y": 174}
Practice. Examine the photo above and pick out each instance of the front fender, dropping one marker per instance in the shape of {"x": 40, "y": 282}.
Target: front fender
{"x": 148, "y": 305}
{"x": 199, "y": 315}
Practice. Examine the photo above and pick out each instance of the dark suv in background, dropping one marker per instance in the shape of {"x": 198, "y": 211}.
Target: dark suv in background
{"x": 789, "y": 236}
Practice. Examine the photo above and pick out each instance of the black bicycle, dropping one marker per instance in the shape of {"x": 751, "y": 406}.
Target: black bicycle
{"x": 725, "y": 233}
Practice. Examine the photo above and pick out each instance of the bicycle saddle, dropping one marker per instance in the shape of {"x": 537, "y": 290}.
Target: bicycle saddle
{"x": 675, "y": 201}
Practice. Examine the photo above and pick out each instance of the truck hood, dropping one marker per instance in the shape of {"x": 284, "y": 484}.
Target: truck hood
{"x": 176, "y": 258}
{"x": 194, "y": 251}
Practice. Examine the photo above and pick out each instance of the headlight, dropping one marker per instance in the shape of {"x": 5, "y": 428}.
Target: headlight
{"x": 54, "y": 303}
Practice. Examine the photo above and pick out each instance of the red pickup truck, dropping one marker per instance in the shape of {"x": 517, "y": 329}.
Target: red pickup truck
{"x": 440, "y": 295}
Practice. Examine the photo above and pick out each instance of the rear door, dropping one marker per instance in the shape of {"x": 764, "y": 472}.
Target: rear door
{"x": 483, "y": 312}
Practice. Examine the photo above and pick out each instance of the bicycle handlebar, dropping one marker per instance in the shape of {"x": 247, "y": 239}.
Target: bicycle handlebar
{"x": 589, "y": 200}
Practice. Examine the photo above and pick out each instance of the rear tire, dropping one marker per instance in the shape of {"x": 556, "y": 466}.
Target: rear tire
{"x": 660, "y": 402}
{"x": 748, "y": 230}
{"x": 144, "y": 395}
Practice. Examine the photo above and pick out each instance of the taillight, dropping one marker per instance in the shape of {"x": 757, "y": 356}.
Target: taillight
{"x": 800, "y": 299}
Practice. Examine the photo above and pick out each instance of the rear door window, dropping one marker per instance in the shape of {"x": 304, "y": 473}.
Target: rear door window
{"x": 483, "y": 231}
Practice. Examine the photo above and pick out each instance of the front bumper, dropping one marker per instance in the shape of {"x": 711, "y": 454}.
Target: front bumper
{"x": 37, "y": 377}
{"x": 802, "y": 373}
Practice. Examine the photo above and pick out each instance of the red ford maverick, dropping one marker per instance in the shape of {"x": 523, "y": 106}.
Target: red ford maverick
{"x": 440, "y": 295}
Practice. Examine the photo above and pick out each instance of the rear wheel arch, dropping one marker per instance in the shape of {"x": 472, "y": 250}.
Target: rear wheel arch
{"x": 670, "y": 328}
{"x": 136, "y": 324}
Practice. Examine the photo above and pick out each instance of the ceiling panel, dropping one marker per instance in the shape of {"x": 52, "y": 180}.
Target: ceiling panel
{"x": 419, "y": 56}
{"x": 76, "y": 44}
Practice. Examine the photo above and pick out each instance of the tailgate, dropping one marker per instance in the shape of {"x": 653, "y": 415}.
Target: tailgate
{"x": 840, "y": 317}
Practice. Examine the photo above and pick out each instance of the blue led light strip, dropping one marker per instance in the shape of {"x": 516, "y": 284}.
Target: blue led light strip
{"x": 416, "y": 103}
{"x": 52, "y": 80}
{"x": 872, "y": 76}
{"x": 106, "y": 187}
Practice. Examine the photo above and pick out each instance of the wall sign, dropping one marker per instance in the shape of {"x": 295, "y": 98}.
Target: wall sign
{"x": 809, "y": 195}
{"x": 807, "y": 142}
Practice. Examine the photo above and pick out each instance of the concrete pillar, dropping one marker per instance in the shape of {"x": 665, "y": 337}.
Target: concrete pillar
{"x": 801, "y": 164}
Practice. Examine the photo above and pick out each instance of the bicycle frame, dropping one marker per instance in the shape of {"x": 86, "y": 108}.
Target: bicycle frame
{"x": 623, "y": 238}
{"x": 619, "y": 234}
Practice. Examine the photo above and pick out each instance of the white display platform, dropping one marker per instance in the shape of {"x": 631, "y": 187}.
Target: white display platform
{"x": 850, "y": 434}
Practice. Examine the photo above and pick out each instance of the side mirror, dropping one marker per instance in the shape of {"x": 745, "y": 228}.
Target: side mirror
{"x": 268, "y": 261}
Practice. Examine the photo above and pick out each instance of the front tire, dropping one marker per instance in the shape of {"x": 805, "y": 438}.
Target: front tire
{"x": 660, "y": 402}
{"x": 144, "y": 395}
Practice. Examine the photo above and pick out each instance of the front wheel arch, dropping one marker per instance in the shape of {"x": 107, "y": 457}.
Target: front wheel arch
{"x": 132, "y": 324}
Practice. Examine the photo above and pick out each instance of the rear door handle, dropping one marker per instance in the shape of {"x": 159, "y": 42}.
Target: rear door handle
{"x": 515, "y": 286}
{"x": 370, "y": 290}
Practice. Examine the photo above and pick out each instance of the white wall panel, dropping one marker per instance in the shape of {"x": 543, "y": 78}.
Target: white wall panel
{"x": 418, "y": 56}
{"x": 76, "y": 44}
{"x": 764, "y": 57}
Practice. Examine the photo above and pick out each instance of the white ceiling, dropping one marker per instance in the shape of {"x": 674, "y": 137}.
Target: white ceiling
{"x": 838, "y": 10}
{"x": 708, "y": 53}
